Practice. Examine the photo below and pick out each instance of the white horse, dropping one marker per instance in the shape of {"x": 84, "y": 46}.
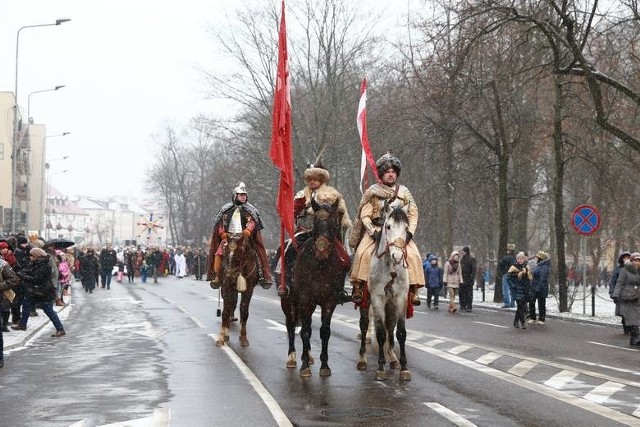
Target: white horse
{"x": 388, "y": 288}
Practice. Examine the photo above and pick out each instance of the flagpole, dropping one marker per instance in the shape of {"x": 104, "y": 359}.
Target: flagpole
{"x": 361, "y": 121}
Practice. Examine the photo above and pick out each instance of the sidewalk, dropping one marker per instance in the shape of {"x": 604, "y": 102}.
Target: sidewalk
{"x": 35, "y": 325}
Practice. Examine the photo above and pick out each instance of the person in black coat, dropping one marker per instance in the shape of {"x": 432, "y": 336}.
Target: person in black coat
{"x": 468, "y": 266}
{"x": 8, "y": 281}
{"x": 622, "y": 258}
{"x": 539, "y": 288}
{"x": 89, "y": 270}
{"x": 519, "y": 278}
{"x": 39, "y": 290}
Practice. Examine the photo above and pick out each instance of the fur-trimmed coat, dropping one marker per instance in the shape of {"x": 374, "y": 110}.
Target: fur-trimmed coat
{"x": 324, "y": 194}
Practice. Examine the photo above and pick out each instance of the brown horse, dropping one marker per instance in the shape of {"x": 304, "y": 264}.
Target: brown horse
{"x": 316, "y": 277}
{"x": 239, "y": 273}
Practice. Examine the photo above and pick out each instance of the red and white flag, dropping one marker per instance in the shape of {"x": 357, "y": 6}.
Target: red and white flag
{"x": 367, "y": 156}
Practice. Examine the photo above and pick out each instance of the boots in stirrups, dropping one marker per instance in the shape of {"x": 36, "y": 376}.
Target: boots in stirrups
{"x": 413, "y": 295}
{"x": 356, "y": 291}
{"x": 634, "y": 338}
{"x": 217, "y": 266}
{"x": 343, "y": 297}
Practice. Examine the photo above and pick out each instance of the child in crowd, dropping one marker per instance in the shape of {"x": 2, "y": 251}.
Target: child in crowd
{"x": 144, "y": 271}
{"x": 433, "y": 276}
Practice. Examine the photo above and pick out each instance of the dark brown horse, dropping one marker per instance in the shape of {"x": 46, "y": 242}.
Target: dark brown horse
{"x": 316, "y": 277}
{"x": 239, "y": 273}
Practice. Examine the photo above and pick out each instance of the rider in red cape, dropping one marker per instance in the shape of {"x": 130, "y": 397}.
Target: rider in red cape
{"x": 316, "y": 177}
{"x": 369, "y": 213}
{"x": 239, "y": 216}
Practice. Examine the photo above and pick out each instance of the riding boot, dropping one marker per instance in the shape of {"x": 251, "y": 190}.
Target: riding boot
{"x": 217, "y": 266}
{"x": 634, "y": 338}
{"x": 343, "y": 297}
{"x": 356, "y": 292}
{"x": 413, "y": 294}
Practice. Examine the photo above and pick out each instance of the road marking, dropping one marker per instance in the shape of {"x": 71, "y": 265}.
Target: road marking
{"x": 276, "y": 325}
{"x": 197, "y": 322}
{"x": 168, "y": 300}
{"x": 459, "y": 349}
{"x": 603, "y": 392}
{"x": 636, "y": 413}
{"x": 561, "y": 379}
{"x": 182, "y": 309}
{"x": 611, "y": 346}
{"x": 599, "y": 365}
{"x": 435, "y": 342}
{"x": 493, "y": 324}
{"x": 488, "y": 358}
{"x": 521, "y": 368}
{"x": 449, "y": 414}
{"x": 276, "y": 411}
{"x": 160, "y": 418}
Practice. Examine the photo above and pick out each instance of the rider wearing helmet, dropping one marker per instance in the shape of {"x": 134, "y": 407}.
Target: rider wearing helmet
{"x": 370, "y": 215}
{"x": 239, "y": 216}
{"x": 316, "y": 177}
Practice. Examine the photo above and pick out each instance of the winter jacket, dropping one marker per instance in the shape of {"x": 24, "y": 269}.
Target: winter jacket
{"x": 452, "y": 272}
{"x": 630, "y": 310}
{"x": 37, "y": 279}
{"x": 540, "y": 281}
{"x": 519, "y": 278}
{"x": 433, "y": 276}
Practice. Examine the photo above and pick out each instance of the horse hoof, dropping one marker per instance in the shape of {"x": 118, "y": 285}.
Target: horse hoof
{"x": 362, "y": 365}
{"x": 394, "y": 364}
{"x": 244, "y": 342}
{"x": 405, "y": 376}
{"x": 219, "y": 343}
{"x": 325, "y": 372}
{"x": 311, "y": 360}
{"x": 226, "y": 338}
{"x": 292, "y": 364}
{"x": 381, "y": 376}
{"x": 305, "y": 373}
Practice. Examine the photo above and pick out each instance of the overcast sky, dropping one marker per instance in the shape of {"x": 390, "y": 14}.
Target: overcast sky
{"x": 128, "y": 66}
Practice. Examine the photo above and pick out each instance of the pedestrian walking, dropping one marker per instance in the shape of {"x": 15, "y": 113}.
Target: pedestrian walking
{"x": 468, "y": 268}
{"x": 622, "y": 258}
{"x": 89, "y": 270}
{"x": 518, "y": 279}
{"x": 433, "y": 277}
{"x": 452, "y": 277}
{"x": 501, "y": 275}
{"x": 108, "y": 259}
{"x": 627, "y": 294}
{"x": 539, "y": 288}
{"x": 8, "y": 281}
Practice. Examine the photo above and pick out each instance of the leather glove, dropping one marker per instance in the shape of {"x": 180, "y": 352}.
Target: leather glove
{"x": 376, "y": 236}
{"x": 409, "y": 236}
{"x": 246, "y": 232}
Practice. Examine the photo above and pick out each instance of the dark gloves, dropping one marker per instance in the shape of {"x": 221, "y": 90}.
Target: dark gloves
{"x": 616, "y": 300}
{"x": 376, "y": 235}
{"x": 409, "y": 236}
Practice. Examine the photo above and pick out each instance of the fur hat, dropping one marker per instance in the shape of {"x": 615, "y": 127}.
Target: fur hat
{"x": 541, "y": 255}
{"x": 22, "y": 239}
{"x": 634, "y": 256}
{"x": 386, "y": 162}
{"x": 37, "y": 252}
{"x": 511, "y": 247}
{"x": 316, "y": 171}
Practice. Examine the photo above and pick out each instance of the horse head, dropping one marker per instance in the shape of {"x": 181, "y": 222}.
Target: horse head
{"x": 325, "y": 227}
{"x": 393, "y": 238}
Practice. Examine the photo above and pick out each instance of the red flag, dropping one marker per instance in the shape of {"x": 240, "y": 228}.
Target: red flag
{"x": 281, "y": 150}
{"x": 364, "y": 138}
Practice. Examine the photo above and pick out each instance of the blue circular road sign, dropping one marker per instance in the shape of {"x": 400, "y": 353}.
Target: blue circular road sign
{"x": 585, "y": 219}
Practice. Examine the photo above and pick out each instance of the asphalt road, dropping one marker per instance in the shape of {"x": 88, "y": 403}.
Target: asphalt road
{"x": 147, "y": 353}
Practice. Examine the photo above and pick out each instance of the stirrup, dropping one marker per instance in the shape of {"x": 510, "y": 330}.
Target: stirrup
{"x": 283, "y": 292}
{"x": 415, "y": 299}
{"x": 356, "y": 295}
{"x": 215, "y": 283}
{"x": 343, "y": 297}
{"x": 266, "y": 284}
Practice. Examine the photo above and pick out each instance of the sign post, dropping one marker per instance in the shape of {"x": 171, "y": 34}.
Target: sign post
{"x": 585, "y": 219}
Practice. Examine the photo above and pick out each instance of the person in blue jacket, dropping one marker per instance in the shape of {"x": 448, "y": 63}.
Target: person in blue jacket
{"x": 433, "y": 277}
{"x": 539, "y": 288}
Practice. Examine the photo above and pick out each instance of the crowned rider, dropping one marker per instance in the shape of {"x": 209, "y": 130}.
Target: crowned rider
{"x": 316, "y": 177}
{"x": 239, "y": 216}
{"x": 370, "y": 215}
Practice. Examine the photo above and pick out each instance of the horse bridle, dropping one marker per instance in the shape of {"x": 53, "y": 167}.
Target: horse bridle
{"x": 233, "y": 245}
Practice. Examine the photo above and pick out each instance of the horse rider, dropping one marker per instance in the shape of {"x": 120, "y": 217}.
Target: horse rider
{"x": 369, "y": 215}
{"x": 316, "y": 178}
{"x": 239, "y": 216}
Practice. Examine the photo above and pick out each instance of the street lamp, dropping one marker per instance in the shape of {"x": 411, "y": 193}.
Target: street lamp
{"x": 38, "y": 91}
{"x": 49, "y": 209}
{"x": 14, "y": 148}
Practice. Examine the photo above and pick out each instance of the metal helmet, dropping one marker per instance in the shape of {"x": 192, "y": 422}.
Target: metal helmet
{"x": 240, "y": 189}
{"x": 386, "y": 162}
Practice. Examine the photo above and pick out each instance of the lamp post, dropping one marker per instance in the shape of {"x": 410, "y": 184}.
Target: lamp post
{"x": 43, "y": 206}
{"x": 15, "y": 146}
{"x": 49, "y": 209}
{"x": 38, "y": 91}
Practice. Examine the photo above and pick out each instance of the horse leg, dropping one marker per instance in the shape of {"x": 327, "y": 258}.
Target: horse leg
{"x": 245, "y": 300}
{"x": 381, "y": 333}
{"x": 390, "y": 343}
{"x": 401, "y": 333}
{"x": 305, "y": 334}
{"x": 229, "y": 303}
{"x": 325, "y": 334}
{"x": 289, "y": 320}
{"x": 364, "y": 328}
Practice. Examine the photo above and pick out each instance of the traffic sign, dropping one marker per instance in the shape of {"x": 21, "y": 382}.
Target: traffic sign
{"x": 585, "y": 219}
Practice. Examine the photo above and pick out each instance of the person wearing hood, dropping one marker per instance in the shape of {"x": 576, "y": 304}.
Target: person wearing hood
{"x": 539, "y": 288}
{"x": 433, "y": 276}
{"x": 626, "y": 294}
{"x": 468, "y": 268}
{"x": 622, "y": 258}
{"x": 452, "y": 278}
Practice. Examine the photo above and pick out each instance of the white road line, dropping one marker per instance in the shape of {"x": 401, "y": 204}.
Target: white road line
{"x": 271, "y": 404}
{"x": 168, "y": 300}
{"x": 197, "y": 322}
{"x": 599, "y": 365}
{"x": 182, "y": 309}
{"x": 611, "y": 346}
{"x": 435, "y": 342}
{"x": 521, "y": 368}
{"x": 561, "y": 379}
{"x": 636, "y": 413}
{"x": 493, "y": 324}
{"x": 603, "y": 392}
{"x": 459, "y": 349}
{"x": 449, "y": 414}
{"x": 486, "y": 359}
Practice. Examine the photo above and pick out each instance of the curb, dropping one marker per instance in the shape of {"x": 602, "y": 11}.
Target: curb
{"x": 31, "y": 332}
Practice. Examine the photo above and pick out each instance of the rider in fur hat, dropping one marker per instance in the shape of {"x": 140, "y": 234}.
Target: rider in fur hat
{"x": 369, "y": 213}
{"x": 316, "y": 177}
{"x": 239, "y": 216}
